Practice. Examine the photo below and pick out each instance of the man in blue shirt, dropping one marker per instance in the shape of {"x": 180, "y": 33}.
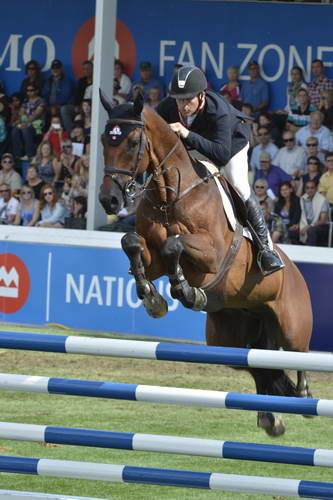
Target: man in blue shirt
{"x": 255, "y": 90}
{"x": 147, "y": 80}
{"x": 273, "y": 175}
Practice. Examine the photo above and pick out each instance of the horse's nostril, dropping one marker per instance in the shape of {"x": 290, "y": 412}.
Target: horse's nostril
{"x": 113, "y": 201}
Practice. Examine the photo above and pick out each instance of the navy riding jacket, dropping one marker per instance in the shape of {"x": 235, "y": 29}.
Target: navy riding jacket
{"x": 218, "y": 131}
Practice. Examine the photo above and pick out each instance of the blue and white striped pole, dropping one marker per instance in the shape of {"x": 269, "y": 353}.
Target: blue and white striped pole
{"x": 167, "y": 477}
{"x": 167, "y": 395}
{"x": 167, "y": 444}
{"x": 163, "y": 351}
{"x": 29, "y": 495}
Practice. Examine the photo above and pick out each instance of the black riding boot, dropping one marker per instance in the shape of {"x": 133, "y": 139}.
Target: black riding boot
{"x": 268, "y": 260}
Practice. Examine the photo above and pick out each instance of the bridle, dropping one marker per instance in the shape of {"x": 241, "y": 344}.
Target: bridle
{"x": 108, "y": 170}
{"x": 130, "y": 188}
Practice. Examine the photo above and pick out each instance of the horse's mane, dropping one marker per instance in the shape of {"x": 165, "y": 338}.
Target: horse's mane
{"x": 152, "y": 116}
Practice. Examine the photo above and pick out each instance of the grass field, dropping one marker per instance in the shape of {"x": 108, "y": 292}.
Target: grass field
{"x": 127, "y": 416}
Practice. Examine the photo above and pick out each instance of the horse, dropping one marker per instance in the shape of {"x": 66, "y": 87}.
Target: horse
{"x": 182, "y": 232}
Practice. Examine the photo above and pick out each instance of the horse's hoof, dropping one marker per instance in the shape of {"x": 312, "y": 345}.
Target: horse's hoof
{"x": 273, "y": 426}
{"x": 278, "y": 429}
{"x": 155, "y": 305}
{"x": 156, "y": 308}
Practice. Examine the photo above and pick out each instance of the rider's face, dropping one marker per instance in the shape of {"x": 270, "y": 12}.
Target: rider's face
{"x": 188, "y": 107}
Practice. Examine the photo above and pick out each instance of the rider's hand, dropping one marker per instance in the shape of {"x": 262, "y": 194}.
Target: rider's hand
{"x": 179, "y": 129}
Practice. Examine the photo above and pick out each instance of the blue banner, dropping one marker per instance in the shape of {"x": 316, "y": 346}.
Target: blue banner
{"x": 212, "y": 35}
{"x": 90, "y": 288}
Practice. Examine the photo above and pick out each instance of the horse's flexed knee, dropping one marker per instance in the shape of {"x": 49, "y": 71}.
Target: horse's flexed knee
{"x": 134, "y": 246}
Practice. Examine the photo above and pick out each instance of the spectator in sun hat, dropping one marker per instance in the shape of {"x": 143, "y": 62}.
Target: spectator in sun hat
{"x": 8, "y": 175}
{"x": 147, "y": 80}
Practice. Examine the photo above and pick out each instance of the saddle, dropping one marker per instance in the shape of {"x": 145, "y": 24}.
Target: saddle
{"x": 236, "y": 201}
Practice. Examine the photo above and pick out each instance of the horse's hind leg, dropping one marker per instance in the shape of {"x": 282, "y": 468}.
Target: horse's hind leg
{"x": 133, "y": 245}
{"x": 191, "y": 297}
{"x": 303, "y": 390}
{"x": 275, "y": 383}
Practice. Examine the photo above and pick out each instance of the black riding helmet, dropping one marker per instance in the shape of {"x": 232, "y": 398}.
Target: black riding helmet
{"x": 188, "y": 82}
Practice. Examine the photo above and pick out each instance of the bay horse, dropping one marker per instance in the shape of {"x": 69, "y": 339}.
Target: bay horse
{"x": 182, "y": 232}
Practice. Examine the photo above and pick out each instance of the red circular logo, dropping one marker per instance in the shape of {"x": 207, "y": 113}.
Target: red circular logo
{"x": 14, "y": 283}
{"x": 83, "y": 46}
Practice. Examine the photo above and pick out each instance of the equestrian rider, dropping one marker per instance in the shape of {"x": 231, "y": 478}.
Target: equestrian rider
{"x": 207, "y": 123}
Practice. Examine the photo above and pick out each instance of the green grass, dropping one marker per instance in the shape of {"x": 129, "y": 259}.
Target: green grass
{"x": 134, "y": 417}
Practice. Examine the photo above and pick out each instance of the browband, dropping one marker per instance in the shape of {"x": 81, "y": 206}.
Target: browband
{"x": 114, "y": 121}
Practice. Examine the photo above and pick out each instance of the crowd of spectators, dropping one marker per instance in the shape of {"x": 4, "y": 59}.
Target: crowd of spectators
{"x": 45, "y": 145}
{"x": 44, "y": 148}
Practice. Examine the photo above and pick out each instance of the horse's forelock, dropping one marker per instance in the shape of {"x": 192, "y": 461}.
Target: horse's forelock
{"x": 124, "y": 111}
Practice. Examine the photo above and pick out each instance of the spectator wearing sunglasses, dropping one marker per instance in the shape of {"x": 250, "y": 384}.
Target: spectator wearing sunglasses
{"x": 273, "y": 175}
{"x": 30, "y": 124}
{"x": 8, "y": 175}
{"x": 8, "y": 205}
{"x": 265, "y": 144}
{"x": 34, "y": 76}
{"x": 263, "y": 193}
{"x": 291, "y": 158}
{"x": 312, "y": 149}
{"x": 314, "y": 171}
{"x": 52, "y": 210}
{"x": 67, "y": 160}
{"x": 27, "y": 212}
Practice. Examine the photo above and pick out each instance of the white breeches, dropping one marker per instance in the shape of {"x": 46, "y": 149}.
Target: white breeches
{"x": 236, "y": 171}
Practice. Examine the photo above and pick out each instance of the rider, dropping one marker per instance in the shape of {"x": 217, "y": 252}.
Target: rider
{"x": 207, "y": 123}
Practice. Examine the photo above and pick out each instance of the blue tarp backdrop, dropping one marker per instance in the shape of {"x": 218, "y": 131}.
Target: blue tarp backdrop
{"x": 89, "y": 288}
{"x": 213, "y": 35}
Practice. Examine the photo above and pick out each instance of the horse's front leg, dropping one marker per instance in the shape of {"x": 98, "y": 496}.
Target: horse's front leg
{"x": 134, "y": 246}
{"x": 197, "y": 251}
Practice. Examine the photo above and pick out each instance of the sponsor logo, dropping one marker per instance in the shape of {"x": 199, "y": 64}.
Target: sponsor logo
{"x": 83, "y": 46}
{"x": 115, "y": 131}
{"x": 14, "y": 283}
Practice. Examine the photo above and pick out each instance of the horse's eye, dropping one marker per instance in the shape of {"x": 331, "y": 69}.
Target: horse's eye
{"x": 132, "y": 143}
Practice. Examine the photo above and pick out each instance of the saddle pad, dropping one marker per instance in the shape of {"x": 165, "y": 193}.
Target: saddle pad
{"x": 229, "y": 212}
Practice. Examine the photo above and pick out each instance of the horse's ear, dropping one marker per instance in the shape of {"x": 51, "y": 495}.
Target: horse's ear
{"x": 138, "y": 104}
{"x": 105, "y": 102}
